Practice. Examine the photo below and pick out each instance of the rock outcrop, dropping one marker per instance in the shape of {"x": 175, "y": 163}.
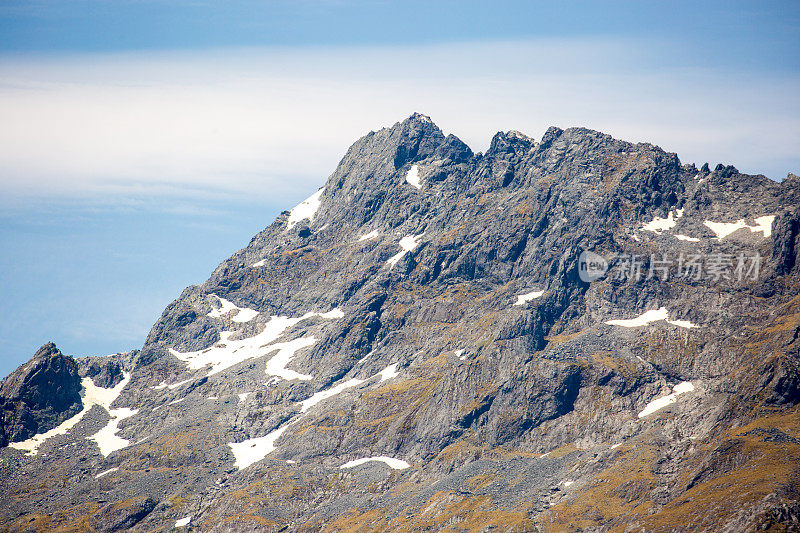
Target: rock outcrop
{"x": 39, "y": 395}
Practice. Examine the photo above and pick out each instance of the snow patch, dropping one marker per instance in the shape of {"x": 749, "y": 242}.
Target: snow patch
{"x": 106, "y": 472}
{"x": 687, "y": 238}
{"x": 723, "y": 229}
{"x": 253, "y": 450}
{"x": 305, "y": 209}
{"x": 642, "y": 320}
{"x": 227, "y": 353}
{"x": 682, "y": 324}
{"x": 371, "y": 235}
{"x": 107, "y": 439}
{"x": 307, "y": 404}
{"x": 522, "y": 299}
{"x": 178, "y": 384}
{"x": 617, "y": 445}
{"x": 460, "y": 354}
{"x": 514, "y": 134}
{"x": 764, "y": 225}
{"x": 183, "y": 521}
{"x": 412, "y": 176}
{"x": 659, "y": 225}
{"x": 243, "y": 396}
{"x": 259, "y": 263}
{"x": 397, "y": 464}
{"x": 407, "y": 244}
{"x": 568, "y": 483}
{"x": 654, "y": 315}
{"x": 243, "y": 314}
{"x": 663, "y": 401}
{"x": 333, "y": 314}
{"x": 389, "y": 372}
{"x": 276, "y": 366}
{"x": 93, "y": 395}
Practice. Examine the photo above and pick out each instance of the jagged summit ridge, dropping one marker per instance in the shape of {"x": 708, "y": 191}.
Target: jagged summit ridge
{"x": 414, "y": 347}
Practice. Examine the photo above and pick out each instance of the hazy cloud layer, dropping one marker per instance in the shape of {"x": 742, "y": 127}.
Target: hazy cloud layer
{"x": 274, "y": 122}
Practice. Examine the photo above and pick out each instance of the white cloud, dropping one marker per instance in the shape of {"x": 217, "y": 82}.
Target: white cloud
{"x": 249, "y": 119}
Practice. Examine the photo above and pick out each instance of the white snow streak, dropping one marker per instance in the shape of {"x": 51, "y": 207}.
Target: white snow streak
{"x": 276, "y": 366}
{"x": 389, "y": 372}
{"x": 658, "y": 225}
{"x": 253, "y": 450}
{"x": 107, "y": 439}
{"x": 643, "y": 319}
{"x": 183, "y": 521}
{"x": 333, "y": 314}
{"x": 305, "y": 209}
{"x": 178, "y": 384}
{"x": 764, "y": 225}
{"x": 723, "y": 229}
{"x": 106, "y": 472}
{"x": 412, "y": 176}
{"x": 259, "y": 263}
{"x": 227, "y": 353}
{"x": 407, "y": 243}
{"x": 371, "y": 235}
{"x": 663, "y": 401}
{"x": 328, "y": 393}
{"x": 522, "y": 299}
{"x": 397, "y": 464}
{"x": 682, "y": 324}
{"x": 647, "y": 317}
{"x": 687, "y": 238}
{"x": 243, "y": 314}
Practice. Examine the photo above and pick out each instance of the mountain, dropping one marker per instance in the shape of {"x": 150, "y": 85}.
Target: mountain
{"x": 565, "y": 334}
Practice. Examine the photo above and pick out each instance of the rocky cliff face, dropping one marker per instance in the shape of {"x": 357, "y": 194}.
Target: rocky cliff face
{"x": 575, "y": 333}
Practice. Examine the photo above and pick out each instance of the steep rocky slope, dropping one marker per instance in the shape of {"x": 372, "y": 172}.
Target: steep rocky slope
{"x": 576, "y": 333}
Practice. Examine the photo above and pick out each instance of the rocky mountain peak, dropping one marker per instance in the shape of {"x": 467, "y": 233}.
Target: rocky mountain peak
{"x": 576, "y": 333}
{"x": 39, "y": 395}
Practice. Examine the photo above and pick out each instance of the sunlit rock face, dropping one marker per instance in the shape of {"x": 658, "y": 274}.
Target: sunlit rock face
{"x": 414, "y": 347}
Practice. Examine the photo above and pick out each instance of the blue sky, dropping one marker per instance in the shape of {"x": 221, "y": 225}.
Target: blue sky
{"x": 142, "y": 142}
